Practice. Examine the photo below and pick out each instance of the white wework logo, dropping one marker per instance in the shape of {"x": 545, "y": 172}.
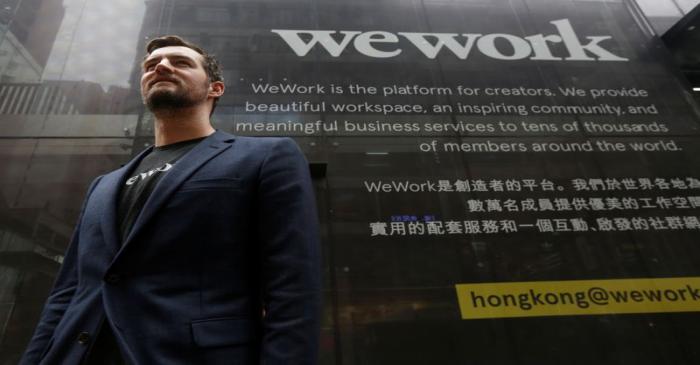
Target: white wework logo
{"x": 534, "y": 47}
{"x": 144, "y": 175}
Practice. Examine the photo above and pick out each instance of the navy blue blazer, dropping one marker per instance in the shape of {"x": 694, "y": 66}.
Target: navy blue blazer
{"x": 221, "y": 266}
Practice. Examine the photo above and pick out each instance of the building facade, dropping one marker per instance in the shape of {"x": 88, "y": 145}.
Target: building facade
{"x": 498, "y": 182}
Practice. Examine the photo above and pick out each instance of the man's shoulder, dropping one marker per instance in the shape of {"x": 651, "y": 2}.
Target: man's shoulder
{"x": 264, "y": 141}
{"x": 267, "y": 145}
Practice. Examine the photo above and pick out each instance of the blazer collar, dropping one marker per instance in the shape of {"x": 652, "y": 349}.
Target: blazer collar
{"x": 112, "y": 184}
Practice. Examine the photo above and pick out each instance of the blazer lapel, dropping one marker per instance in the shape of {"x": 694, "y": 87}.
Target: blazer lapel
{"x": 111, "y": 183}
{"x": 213, "y": 145}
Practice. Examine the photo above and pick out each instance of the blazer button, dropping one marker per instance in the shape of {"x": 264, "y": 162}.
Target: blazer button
{"x": 113, "y": 278}
{"x": 83, "y": 338}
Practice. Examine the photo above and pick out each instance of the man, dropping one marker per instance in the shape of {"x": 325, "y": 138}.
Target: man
{"x": 201, "y": 250}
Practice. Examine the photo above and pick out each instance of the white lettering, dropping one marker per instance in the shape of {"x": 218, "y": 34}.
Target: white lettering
{"x": 363, "y": 44}
{"x": 539, "y": 45}
{"x": 443, "y": 39}
{"x": 143, "y": 175}
{"x": 165, "y": 168}
{"x": 576, "y": 49}
{"x": 536, "y": 47}
{"x": 317, "y": 36}
{"x": 487, "y": 46}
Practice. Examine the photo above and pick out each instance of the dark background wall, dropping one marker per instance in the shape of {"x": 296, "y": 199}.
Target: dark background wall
{"x": 70, "y": 110}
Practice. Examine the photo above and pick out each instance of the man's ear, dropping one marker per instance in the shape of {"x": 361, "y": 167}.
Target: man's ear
{"x": 216, "y": 89}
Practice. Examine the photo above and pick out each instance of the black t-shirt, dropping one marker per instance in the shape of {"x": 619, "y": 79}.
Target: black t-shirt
{"x": 132, "y": 197}
{"x": 143, "y": 179}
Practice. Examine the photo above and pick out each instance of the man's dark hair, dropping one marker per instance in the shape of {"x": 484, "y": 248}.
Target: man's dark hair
{"x": 210, "y": 64}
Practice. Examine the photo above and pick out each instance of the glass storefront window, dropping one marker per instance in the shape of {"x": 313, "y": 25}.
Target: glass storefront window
{"x": 468, "y": 156}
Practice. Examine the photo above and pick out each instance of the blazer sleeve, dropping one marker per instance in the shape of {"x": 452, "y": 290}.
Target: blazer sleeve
{"x": 289, "y": 239}
{"x": 59, "y": 297}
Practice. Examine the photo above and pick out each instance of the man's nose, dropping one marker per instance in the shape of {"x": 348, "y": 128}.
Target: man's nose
{"x": 164, "y": 66}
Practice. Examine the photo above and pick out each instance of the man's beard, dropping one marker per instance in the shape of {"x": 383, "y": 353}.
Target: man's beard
{"x": 161, "y": 100}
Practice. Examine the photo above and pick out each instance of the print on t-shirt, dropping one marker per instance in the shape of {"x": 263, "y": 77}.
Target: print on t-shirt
{"x": 145, "y": 175}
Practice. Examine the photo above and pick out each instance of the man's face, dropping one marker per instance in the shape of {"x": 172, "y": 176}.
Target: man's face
{"x": 174, "y": 77}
